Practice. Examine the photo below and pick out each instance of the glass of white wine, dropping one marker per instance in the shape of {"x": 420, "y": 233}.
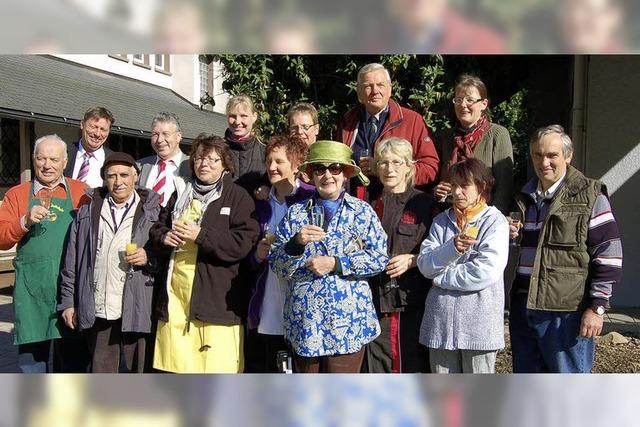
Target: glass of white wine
{"x": 130, "y": 249}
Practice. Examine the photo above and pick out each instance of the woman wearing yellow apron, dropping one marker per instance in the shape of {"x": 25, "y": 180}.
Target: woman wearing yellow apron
{"x": 208, "y": 228}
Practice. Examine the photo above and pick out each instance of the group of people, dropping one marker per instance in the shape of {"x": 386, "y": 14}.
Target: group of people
{"x": 382, "y": 251}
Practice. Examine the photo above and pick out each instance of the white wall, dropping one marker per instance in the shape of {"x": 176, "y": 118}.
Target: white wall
{"x": 612, "y": 152}
{"x": 127, "y": 69}
{"x": 186, "y": 77}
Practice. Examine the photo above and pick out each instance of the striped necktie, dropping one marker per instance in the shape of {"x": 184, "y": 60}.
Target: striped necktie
{"x": 158, "y": 187}
{"x": 372, "y": 129}
{"x": 83, "y": 174}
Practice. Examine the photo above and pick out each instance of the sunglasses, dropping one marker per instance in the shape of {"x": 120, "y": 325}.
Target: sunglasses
{"x": 334, "y": 168}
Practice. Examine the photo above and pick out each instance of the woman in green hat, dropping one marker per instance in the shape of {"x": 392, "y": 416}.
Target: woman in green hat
{"x": 326, "y": 247}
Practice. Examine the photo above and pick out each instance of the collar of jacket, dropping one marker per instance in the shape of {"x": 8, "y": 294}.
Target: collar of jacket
{"x": 574, "y": 183}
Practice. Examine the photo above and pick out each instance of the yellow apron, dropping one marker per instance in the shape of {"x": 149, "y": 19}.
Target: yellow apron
{"x": 193, "y": 346}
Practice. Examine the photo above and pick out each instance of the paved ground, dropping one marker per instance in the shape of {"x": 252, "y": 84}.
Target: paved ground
{"x": 8, "y": 352}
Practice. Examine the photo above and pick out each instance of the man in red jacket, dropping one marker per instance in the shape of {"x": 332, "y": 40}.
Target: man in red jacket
{"x": 379, "y": 117}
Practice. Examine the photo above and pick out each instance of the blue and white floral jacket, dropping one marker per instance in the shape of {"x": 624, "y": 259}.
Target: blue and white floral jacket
{"x": 331, "y": 314}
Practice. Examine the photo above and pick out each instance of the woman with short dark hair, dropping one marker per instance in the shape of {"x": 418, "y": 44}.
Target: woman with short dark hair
{"x": 465, "y": 255}
{"x": 207, "y": 229}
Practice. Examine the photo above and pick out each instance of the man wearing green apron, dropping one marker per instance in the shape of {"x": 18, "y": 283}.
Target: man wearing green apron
{"x": 36, "y": 217}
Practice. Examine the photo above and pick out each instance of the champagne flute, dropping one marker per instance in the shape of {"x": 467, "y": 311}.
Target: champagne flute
{"x": 393, "y": 282}
{"x": 516, "y": 219}
{"x": 129, "y": 249}
{"x": 180, "y": 220}
{"x": 317, "y": 216}
{"x": 445, "y": 176}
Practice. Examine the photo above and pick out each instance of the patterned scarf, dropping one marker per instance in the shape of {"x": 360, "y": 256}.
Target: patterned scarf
{"x": 466, "y": 140}
{"x": 204, "y": 193}
{"x": 463, "y": 217}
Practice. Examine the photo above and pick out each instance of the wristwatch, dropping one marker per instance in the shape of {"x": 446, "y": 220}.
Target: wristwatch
{"x": 598, "y": 309}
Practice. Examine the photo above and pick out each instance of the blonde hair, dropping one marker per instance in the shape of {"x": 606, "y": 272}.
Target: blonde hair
{"x": 234, "y": 101}
{"x": 401, "y": 148}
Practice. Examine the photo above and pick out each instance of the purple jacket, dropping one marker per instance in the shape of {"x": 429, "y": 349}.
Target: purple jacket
{"x": 263, "y": 210}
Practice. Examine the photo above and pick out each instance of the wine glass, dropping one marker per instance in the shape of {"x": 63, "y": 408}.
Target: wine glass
{"x": 516, "y": 219}
{"x": 129, "y": 249}
{"x": 179, "y": 220}
{"x": 393, "y": 282}
{"x": 269, "y": 233}
{"x": 45, "y": 202}
{"x": 317, "y": 215}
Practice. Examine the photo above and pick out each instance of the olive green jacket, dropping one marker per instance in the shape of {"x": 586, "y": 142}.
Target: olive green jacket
{"x": 561, "y": 265}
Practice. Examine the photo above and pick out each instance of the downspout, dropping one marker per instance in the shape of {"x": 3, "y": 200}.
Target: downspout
{"x": 579, "y": 112}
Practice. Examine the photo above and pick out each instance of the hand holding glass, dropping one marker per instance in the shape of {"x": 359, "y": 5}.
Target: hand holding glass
{"x": 179, "y": 223}
{"x": 516, "y": 220}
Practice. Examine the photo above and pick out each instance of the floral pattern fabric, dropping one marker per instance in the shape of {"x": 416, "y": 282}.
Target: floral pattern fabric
{"x": 334, "y": 313}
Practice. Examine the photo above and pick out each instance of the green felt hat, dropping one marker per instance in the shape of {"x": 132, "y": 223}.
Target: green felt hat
{"x": 328, "y": 152}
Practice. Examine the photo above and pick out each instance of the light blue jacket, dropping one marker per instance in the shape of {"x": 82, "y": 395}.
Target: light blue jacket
{"x": 464, "y": 308}
{"x": 334, "y": 313}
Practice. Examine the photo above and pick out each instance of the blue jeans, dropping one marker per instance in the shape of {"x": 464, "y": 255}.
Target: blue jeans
{"x": 547, "y": 341}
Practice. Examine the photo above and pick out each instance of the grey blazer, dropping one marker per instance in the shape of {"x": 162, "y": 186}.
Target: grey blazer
{"x": 146, "y": 165}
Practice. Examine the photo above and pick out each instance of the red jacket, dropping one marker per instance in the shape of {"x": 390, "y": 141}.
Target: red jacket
{"x": 404, "y": 123}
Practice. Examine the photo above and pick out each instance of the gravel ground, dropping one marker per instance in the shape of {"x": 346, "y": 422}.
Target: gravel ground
{"x": 610, "y": 358}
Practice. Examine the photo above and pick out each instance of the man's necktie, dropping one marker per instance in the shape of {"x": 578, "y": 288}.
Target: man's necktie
{"x": 84, "y": 168}
{"x": 372, "y": 128}
{"x": 158, "y": 187}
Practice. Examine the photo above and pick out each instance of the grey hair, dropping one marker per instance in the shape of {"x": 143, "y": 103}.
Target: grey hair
{"x": 567, "y": 145}
{"x": 374, "y": 66}
{"x": 165, "y": 117}
{"x": 401, "y": 148}
{"x": 54, "y": 138}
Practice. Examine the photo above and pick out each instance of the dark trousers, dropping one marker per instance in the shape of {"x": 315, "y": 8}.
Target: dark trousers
{"x": 336, "y": 364}
{"x": 108, "y": 343}
{"x": 547, "y": 341}
{"x": 71, "y": 352}
{"x": 260, "y": 352}
{"x": 397, "y": 348}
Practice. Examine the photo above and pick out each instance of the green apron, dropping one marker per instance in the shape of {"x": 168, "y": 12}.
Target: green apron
{"x": 37, "y": 268}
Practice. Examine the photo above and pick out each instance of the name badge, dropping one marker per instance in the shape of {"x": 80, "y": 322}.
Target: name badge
{"x": 225, "y": 211}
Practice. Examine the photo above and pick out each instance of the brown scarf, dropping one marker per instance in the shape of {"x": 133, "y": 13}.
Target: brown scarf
{"x": 466, "y": 140}
{"x": 463, "y": 217}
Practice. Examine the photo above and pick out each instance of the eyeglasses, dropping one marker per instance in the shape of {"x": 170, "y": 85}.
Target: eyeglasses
{"x": 334, "y": 168}
{"x": 467, "y": 99}
{"x": 305, "y": 128}
{"x": 386, "y": 163}
{"x": 209, "y": 160}
{"x": 165, "y": 135}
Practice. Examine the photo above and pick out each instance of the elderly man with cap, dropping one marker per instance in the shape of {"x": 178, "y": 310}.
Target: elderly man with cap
{"x": 36, "y": 216}
{"x": 325, "y": 249}
{"x": 108, "y": 274}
